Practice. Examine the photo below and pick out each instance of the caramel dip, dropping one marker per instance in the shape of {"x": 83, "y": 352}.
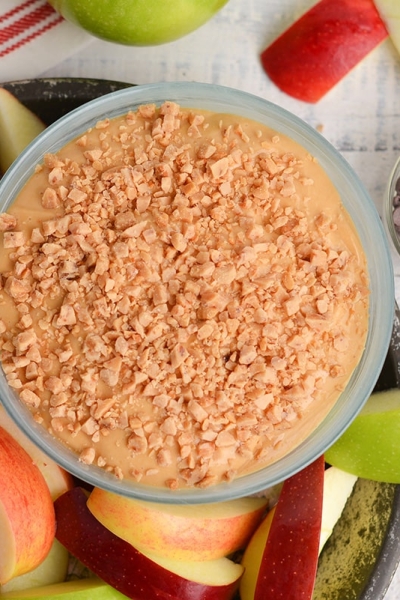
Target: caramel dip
{"x": 183, "y": 296}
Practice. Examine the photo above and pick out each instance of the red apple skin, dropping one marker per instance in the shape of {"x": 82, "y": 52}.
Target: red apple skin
{"x": 28, "y": 507}
{"x": 196, "y": 532}
{"x": 118, "y": 563}
{"x": 321, "y": 47}
{"x": 290, "y": 559}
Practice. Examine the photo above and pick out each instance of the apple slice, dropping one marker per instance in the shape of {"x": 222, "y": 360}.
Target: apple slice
{"x": 58, "y": 480}
{"x": 252, "y": 556}
{"x": 369, "y": 447}
{"x": 337, "y": 488}
{"x": 81, "y": 589}
{"x": 338, "y": 485}
{"x": 321, "y": 47}
{"x": 53, "y": 569}
{"x": 18, "y": 127}
{"x": 390, "y": 14}
{"x": 179, "y": 531}
{"x": 27, "y": 520}
{"x": 133, "y": 573}
{"x": 281, "y": 558}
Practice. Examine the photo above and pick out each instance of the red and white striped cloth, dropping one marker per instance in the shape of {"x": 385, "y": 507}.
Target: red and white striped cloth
{"x": 33, "y": 38}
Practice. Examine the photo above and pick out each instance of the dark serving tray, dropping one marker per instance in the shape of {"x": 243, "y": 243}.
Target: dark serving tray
{"x": 363, "y": 553}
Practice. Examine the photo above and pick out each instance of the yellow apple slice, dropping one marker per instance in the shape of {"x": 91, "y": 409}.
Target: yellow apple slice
{"x": 179, "y": 531}
{"x": 27, "y": 519}
{"x": 389, "y": 11}
{"x": 18, "y": 127}
{"x": 252, "y": 557}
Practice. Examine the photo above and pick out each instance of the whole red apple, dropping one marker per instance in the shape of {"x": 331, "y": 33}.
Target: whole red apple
{"x": 138, "y": 22}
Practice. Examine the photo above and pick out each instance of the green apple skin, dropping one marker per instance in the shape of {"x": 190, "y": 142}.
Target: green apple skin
{"x": 80, "y": 589}
{"x": 138, "y": 22}
{"x": 369, "y": 448}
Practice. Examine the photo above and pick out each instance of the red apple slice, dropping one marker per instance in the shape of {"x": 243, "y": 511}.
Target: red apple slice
{"x": 179, "y": 531}
{"x": 338, "y": 486}
{"x": 131, "y": 572}
{"x": 289, "y": 563}
{"x": 27, "y": 521}
{"x": 58, "y": 479}
{"x": 321, "y": 47}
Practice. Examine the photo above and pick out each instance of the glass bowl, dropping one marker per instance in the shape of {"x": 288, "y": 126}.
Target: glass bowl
{"x": 391, "y": 206}
{"x": 360, "y": 208}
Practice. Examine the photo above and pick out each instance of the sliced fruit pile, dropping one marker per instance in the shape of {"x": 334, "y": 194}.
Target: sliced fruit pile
{"x": 310, "y": 57}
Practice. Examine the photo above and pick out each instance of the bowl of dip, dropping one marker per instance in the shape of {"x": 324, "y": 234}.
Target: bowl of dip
{"x": 195, "y": 310}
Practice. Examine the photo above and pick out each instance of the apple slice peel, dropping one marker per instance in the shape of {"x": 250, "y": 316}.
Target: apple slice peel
{"x": 310, "y": 57}
{"x": 289, "y": 562}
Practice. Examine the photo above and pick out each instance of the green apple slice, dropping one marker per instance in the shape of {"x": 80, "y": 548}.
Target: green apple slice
{"x": 18, "y": 127}
{"x": 53, "y": 569}
{"x": 80, "y": 589}
{"x": 370, "y": 448}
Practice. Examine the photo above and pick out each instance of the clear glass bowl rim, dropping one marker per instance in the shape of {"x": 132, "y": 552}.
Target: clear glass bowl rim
{"x": 355, "y": 199}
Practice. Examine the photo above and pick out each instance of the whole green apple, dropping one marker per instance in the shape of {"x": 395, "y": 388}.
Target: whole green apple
{"x": 138, "y": 22}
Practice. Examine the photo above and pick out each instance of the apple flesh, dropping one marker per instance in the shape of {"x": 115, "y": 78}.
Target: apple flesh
{"x": 131, "y": 572}
{"x": 18, "y": 127}
{"x": 338, "y": 486}
{"x": 308, "y": 59}
{"x": 27, "y": 519}
{"x": 138, "y": 22}
{"x": 81, "y": 589}
{"x": 179, "y": 531}
{"x": 390, "y": 14}
{"x": 369, "y": 448}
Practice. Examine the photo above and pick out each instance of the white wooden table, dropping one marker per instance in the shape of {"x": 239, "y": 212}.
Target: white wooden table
{"x": 360, "y": 117}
